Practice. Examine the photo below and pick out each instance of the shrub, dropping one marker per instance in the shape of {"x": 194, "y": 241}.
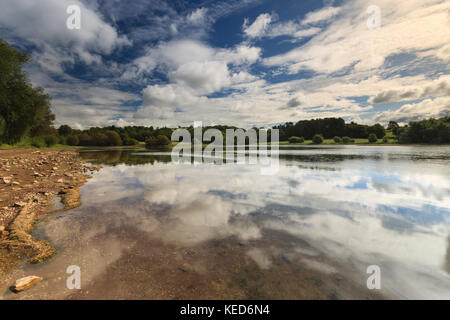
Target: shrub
{"x": 51, "y": 140}
{"x": 99, "y": 140}
{"x": 72, "y": 140}
{"x": 127, "y": 141}
{"x": 385, "y": 139}
{"x": 64, "y": 130}
{"x": 113, "y": 138}
{"x": 373, "y": 138}
{"x": 347, "y": 140}
{"x": 317, "y": 139}
{"x": 337, "y": 139}
{"x": 84, "y": 140}
{"x": 157, "y": 142}
{"x": 38, "y": 142}
{"x": 295, "y": 139}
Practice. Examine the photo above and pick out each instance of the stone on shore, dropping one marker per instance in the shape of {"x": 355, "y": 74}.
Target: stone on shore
{"x": 26, "y": 283}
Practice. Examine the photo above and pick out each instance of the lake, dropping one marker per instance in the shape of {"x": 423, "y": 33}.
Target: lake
{"x": 149, "y": 228}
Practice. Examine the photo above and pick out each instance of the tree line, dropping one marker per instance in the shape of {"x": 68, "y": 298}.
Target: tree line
{"x": 328, "y": 128}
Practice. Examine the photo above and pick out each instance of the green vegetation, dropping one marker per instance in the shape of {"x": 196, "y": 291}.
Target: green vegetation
{"x": 372, "y": 138}
{"x": 337, "y": 139}
{"x": 426, "y": 131}
{"x": 296, "y": 140}
{"x": 317, "y": 139}
{"x": 347, "y": 140}
{"x": 328, "y": 128}
{"x": 25, "y": 111}
{"x": 159, "y": 142}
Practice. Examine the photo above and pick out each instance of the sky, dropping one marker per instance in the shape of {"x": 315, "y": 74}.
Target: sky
{"x": 238, "y": 62}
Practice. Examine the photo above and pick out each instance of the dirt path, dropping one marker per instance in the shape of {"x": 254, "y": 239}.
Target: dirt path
{"x": 29, "y": 181}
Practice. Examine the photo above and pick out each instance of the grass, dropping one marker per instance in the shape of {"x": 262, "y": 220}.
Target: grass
{"x": 357, "y": 142}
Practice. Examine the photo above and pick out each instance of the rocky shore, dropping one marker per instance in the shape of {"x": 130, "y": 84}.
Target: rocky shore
{"x": 29, "y": 182}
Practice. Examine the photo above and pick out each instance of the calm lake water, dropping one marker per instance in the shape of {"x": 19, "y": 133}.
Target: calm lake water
{"x": 149, "y": 228}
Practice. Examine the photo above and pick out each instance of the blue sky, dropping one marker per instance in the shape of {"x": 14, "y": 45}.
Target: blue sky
{"x": 245, "y": 63}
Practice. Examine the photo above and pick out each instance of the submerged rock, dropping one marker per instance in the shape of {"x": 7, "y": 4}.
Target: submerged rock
{"x": 26, "y": 283}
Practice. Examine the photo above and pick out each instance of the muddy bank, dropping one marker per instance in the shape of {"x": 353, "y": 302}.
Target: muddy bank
{"x": 29, "y": 181}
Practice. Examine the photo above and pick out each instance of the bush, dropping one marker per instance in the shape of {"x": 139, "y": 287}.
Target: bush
{"x": 127, "y": 141}
{"x": 72, "y": 140}
{"x": 99, "y": 140}
{"x": 373, "y": 138}
{"x": 38, "y": 142}
{"x": 157, "y": 142}
{"x": 51, "y": 140}
{"x": 317, "y": 139}
{"x": 113, "y": 138}
{"x": 84, "y": 140}
{"x": 337, "y": 139}
{"x": 295, "y": 139}
{"x": 347, "y": 140}
{"x": 385, "y": 139}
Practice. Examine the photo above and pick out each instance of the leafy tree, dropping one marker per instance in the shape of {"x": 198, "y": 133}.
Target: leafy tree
{"x": 373, "y": 138}
{"x": 25, "y": 110}
{"x": 51, "y": 140}
{"x": 426, "y": 131}
{"x": 64, "y": 130}
{"x": 113, "y": 138}
{"x": 317, "y": 139}
{"x": 72, "y": 140}
{"x": 393, "y": 126}
{"x": 347, "y": 140}
{"x": 295, "y": 139}
{"x": 378, "y": 130}
{"x": 160, "y": 141}
{"x": 2, "y": 127}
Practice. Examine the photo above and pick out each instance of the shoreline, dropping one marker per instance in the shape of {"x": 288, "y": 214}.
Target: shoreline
{"x": 30, "y": 180}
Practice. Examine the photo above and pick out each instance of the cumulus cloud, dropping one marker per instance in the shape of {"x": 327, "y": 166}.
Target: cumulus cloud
{"x": 429, "y": 108}
{"x": 440, "y": 87}
{"x": 258, "y": 27}
{"x": 43, "y": 24}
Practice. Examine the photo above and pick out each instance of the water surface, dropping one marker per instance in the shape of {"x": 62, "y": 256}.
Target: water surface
{"x": 149, "y": 228}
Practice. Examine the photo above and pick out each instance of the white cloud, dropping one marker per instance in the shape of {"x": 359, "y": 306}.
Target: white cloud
{"x": 406, "y": 27}
{"x": 429, "y": 108}
{"x": 258, "y": 27}
{"x": 321, "y": 15}
{"x": 198, "y": 16}
{"x": 43, "y": 23}
{"x": 438, "y": 87}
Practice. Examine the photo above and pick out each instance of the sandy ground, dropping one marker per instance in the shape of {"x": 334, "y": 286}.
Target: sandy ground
{"x": 29, "y": 181}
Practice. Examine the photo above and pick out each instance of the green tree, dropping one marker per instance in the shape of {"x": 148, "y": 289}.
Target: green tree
{"x": 72, "y": 140}
{"x": 295, "y": 139}
{"x": 346, "y": 140}
{"x": 317, "y": 139}
{"x": 393, "y": 126}
{"x": 160, "y": 141}
{"x": 113, "y": 138}
{"x": 25, "y": 110}
{"x": 372, "y": 138}
{"x": 64, "y": 130}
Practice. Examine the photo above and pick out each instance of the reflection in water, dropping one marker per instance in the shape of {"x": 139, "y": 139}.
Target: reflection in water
{"x": 149, "y": 228}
